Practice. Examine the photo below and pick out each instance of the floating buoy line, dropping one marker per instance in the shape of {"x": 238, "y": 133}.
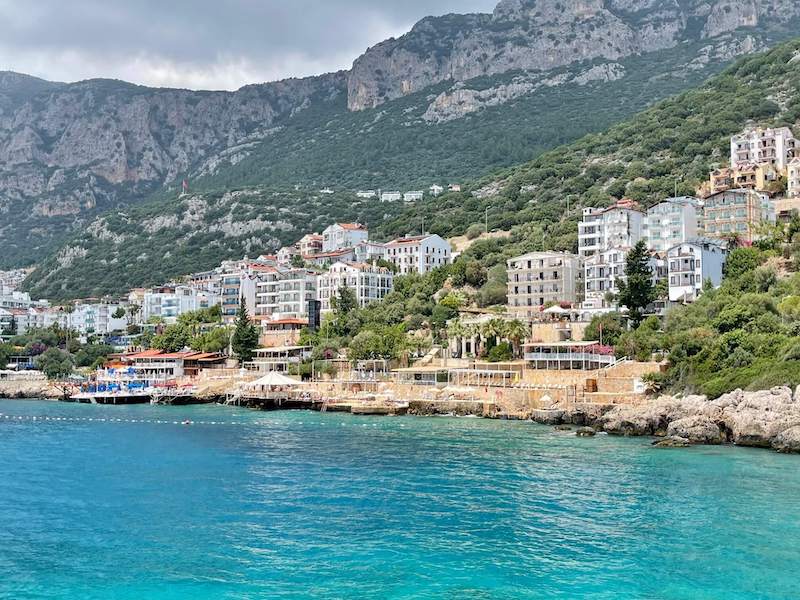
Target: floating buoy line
{"x": 185, "y": 422}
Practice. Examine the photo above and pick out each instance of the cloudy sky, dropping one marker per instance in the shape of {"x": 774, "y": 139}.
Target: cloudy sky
{"x": 201, "y": 44}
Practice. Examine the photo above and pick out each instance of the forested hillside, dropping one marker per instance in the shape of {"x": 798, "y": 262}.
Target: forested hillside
{"x": 666, "y": 149}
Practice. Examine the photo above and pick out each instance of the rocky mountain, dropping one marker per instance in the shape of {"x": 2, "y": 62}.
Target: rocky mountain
{"x": 456, "y": 98}
{"x": 68, "y": 152}
{"x": 540, "y": 35}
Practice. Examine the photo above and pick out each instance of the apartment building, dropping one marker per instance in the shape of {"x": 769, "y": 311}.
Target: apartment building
{"x": 391, "y": 196}
{"x": 310, "y": 244}
{"x": 671, "y": 222}
{"x": 168, "y": 303}
{"x": 739, "y": 212}
{"x": 368, "y": 282}
{"x": 541, "y": 278}
{"x": 605, "y": 270}
{"x": 418, "y": 254}
{"x": 343, "y": 235}
{"x": 369, "y": 251}
{"x": 693, "y": 263}
{"x": 793, "y": 179}
{"x": 620, "y": 225}
{"x": 436, "y": 190}
{"x": 96, "y": 318}
{"x": 758, "y": 145}
{"x": 413, "y": 196}
{"x": 284, "y": 294}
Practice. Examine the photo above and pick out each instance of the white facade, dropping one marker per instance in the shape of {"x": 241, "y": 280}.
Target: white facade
{"x": 793, "y": 179}
{"x": 758, "y": 146}
{"x": 366, "y": 194}
{"x": 391, "y": 196}
{"x": 602, "y": 272}
{"x": 286, "y": 254}
{"x": 671, "y": 222}
{"x": 16, "y": 299}
{"x": 436, "y": 190}
{"x": 168, "y": 303}
{"x": 691, "y": 264}
{"x": 603, "y": 228}
{"x": 418, "y": 254}
{"x": 414, "y": 196}
{"x": 369, "y": 251}
{"x": 539, "y": 278}
{"x": 368, "y": 282}
{"x": 285, "y": 294}
{"x": 96, "y": 318}
{"x": 343, "y": 235}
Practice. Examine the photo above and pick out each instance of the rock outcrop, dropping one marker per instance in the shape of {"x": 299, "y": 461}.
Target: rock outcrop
{"x": 540, "y": 35}
{"x": 765, "y": 419}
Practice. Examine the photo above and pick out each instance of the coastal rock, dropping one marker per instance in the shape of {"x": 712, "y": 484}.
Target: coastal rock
{"x": 788, "y": 441}
{"x": 697, "y": 429}
{"x": 563, "y": 428}
{"x": 548, "y": 417}
{"x": 585, "y": 432}
{"x": 672, "y": 442}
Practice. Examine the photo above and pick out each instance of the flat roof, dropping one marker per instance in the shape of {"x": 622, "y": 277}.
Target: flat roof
{"x": 562, "y": 344}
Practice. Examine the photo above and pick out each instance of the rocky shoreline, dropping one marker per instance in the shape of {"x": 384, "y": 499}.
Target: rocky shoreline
{"x": 764, "y": 419}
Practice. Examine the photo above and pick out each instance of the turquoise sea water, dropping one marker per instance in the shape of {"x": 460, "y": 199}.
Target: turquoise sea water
{"x": 307, "y": 505}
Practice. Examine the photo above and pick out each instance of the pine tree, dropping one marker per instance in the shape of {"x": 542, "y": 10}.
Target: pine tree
{"x": 245, "y": 335}
{"x": 637, "y": 290}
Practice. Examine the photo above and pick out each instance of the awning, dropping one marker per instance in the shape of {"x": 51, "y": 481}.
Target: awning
{"x": 274, "y": 379}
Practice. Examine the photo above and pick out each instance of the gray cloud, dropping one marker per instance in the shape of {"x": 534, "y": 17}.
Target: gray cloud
{"x": 203, "y": 44}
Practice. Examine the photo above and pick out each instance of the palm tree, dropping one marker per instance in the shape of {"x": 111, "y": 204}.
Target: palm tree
{"x": 516, "y": 331}
{"x": 457, "y": 331}
{"x": 493, "y": 329}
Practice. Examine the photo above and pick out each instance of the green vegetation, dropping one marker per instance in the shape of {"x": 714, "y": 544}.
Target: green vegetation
{"x": 244, "y": 340}
{"x": 666, "y": 149}
{"x": 637, "y": 291}
{"x": 393, "y": 146}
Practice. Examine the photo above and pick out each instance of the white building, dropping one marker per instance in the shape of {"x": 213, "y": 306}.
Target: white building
{"x": 793, "y": 179}
{"x": 16, "y": 299}
{"x": 343, "y": 235}
{"x": 370, "y": 251}
{"x": 691, "y": 264}
{"x": 286, "y": 254}
{"x": 604, "y": 271}
{"x": 414, "y": 196}
{"x": 671, "y": 222}
{"x": 418, "y": 254}
{"x": 285, "y": 294}
{"x": 368, "y": 282}
{"x": 759, "y": 146}
{"x": 391, "y": 196}
{"x": 366, "y": 194}
{"x": 168, "y": 303}
{"x": 620, "y": 225}
{"x": 96, "y": 318}
{"x": 540, "y": 278}
{"x": 436, "y": 190}
{"x": 325, "y": 259}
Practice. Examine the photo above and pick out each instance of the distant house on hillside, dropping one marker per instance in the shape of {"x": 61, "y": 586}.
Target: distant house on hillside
{"x": 343, "y": 235}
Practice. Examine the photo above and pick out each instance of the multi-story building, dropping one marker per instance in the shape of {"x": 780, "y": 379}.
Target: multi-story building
{"x": 7, "y": 325}
{"x": 739, "y": 212}
{"x": 310, "y": 244}
{"x": 693, "y": 263}
{"x": 793, "y": 179}
{"x": 757, "y": 146}
{"x": 414, "y": 196}
{"x": 168, "y": 303}
{"x": 16, "y": 299}
{"x": 287, "y": 254}
{"x": 325, "y": 259}
{"x": 369, "y": 251}
{"x": 368, "y": 282}
{"x": 366, "y": 194}
{"x": 603, "y": 228}
{"x": 541, "y": 278}
{"x": 285, "y": 294}
{"x": 391, "y": 196}
{"x": 418, "y": 254}
{"x": 343, "y": 235}
{"x": 96, "y": 318}
{"x": 436, "y": 190}
{"x": 752, "y": 176}
{"x": 604, "y": 271}
{"x": 671, "y": 222}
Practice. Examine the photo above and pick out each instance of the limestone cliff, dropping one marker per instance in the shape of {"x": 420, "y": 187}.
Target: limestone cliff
{"x": 539, "y": 35}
